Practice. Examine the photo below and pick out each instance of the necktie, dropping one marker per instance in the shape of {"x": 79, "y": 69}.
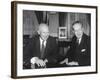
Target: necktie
{"x": 78, "y": 41}
{"x": 42, "y": 49}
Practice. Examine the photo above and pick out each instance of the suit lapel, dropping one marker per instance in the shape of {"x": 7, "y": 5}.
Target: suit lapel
{"x": 80, "y": 46}
{"x": 38, "y": 47}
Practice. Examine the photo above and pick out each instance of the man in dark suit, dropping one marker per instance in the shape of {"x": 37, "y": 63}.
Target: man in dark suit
{"x": 79, "y": 52}
{"x": 41, "y": 50}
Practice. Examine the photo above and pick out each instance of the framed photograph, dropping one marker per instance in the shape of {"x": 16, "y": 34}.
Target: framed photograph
{"x": 61, "y": 21}
{"x": 62, "y": 32}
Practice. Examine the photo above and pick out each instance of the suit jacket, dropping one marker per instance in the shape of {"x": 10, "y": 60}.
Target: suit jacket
{"x": 81, "y": 52}
{"x": 33, "y": 50}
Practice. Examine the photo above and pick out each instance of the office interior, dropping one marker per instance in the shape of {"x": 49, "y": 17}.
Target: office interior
{"x": 55, "y": 20}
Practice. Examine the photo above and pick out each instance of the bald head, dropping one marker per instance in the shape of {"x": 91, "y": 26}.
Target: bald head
{"x": 43, "y": 31}
{"x": 43, "y": 26}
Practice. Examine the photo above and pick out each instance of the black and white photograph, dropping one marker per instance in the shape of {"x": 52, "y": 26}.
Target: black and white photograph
{"x": 58, "y": 39}
{"x": 63, "y": 32}
{"x": 43, "y": 35}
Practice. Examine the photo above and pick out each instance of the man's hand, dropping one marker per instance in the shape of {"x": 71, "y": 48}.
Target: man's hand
{"x": 46, "y": 61}
{"x": 64, "y": 61}
{"x": 73, "y": 63}
{"x": 39, "y": 62}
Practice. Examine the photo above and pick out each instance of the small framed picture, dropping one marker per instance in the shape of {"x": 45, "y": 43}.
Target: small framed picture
{"x": 34, "y": 39}
{"x": 62, "y": 32}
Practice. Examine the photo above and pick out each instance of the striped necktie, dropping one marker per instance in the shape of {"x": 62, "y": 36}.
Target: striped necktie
{"x": 42, "y": 49}
{"x": 77, "y": 41}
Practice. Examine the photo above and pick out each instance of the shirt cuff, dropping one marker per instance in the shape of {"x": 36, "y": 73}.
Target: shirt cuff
{"x": 33, "y": 60}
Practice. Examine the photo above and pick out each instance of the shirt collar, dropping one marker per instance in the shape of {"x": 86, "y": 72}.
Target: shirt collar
{"x": 41, "y": 40}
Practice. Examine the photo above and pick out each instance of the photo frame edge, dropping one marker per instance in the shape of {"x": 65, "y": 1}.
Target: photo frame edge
{"x": 14, "y": 39}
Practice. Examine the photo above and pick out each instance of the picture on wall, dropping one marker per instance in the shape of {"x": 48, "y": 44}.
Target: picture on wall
{"x": 62, "y": 32}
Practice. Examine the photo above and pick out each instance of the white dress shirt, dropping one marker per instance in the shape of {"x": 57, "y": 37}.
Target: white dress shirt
{"x": 79, "y": 40}
{"x": 41, "y": 40}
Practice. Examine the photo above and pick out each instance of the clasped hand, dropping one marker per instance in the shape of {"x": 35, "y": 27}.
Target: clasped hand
{"x": 39, "y": 62}
{"x": 72, "y": 63}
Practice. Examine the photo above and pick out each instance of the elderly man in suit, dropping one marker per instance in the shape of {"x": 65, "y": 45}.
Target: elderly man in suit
{"x": 42, "y": 49}
{"x": 79, "y": 52}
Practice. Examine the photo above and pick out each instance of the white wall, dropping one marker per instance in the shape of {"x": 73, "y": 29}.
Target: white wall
{"x": 5, "y": 41}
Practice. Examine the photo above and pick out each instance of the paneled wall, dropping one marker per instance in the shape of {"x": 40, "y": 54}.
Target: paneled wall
{"x": 69, "y": 18}
{"x": 31, "y": 20}
{"x": 54, "y": 24}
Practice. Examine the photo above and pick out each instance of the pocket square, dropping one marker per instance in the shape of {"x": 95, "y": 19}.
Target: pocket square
{"x": 83, "y": 50}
